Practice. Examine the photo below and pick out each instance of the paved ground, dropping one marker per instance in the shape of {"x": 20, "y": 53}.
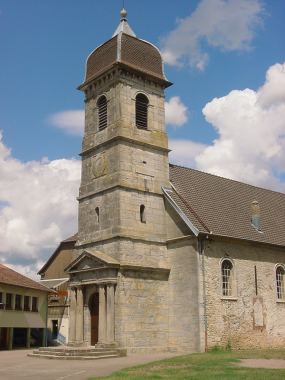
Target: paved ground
{"x": 263, "y": 363}
{"x": 15, "y": 365}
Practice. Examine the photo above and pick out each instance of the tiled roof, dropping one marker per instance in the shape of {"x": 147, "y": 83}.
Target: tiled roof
{"x": 129, "y": 51}
{"x": 10, "y": 277}
{"x": 223, "y": 207}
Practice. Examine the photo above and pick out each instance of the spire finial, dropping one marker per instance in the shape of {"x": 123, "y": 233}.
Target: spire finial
{"x": 123, "y": 14}
{"x": 123, "y": 26}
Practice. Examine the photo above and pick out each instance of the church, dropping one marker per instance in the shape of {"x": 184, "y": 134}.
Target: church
{"x": 166, "y": 258}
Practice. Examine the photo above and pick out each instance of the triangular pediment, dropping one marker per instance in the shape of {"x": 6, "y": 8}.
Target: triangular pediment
{"x": 91, "y": 260}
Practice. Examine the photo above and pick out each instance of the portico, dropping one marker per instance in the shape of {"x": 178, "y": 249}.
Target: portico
{"x": 92, "y": 299}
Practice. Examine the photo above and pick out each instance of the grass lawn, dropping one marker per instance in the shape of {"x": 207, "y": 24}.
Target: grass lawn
{"x": 217, "y": 365}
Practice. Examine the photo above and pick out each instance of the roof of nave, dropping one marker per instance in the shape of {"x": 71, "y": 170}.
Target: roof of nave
{"x": 223, "y": 207}
{"x": 10, "y": 277}
{"x": 218, "y": 206}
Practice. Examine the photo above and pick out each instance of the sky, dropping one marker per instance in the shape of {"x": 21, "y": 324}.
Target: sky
{"x": 225, "y": 113}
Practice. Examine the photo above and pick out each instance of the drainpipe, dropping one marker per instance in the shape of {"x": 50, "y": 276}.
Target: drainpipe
{"x": 46, "y": 327}
{"x": 201, "y": 249}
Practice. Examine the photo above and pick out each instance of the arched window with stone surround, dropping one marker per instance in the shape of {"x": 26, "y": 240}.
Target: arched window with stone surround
{"x": 141, "y": 111}
{"x": 227, "y": 277}
{"x": 102, "y": 112}
{"x": 280, "y": 286}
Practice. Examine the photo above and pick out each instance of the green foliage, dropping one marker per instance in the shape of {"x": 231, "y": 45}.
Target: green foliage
{"x": 228, "y": 346}
{"x": 217, "y": 348}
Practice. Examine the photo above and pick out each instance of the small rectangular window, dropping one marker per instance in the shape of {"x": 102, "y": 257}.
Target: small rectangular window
{"x": 18, "y": 300}
{"x": 27, "y": 303}
{"x": 8, "y": 301}
{"x": 35, "y": 304}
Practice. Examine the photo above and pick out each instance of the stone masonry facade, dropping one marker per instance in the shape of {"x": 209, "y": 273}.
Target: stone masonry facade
{"x": 253, "y": 316}
{"x": 145, "y": 272}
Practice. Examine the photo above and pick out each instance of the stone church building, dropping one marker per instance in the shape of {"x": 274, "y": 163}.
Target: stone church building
{"x": 166, "y": 257}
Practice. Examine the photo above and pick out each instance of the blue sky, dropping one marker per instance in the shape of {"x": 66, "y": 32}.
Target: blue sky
{"x": 212, "y": 48}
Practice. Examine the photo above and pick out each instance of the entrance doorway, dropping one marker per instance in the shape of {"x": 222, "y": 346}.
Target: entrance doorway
{"x": 94, "y": 316}
{"x": 54, "y": 331}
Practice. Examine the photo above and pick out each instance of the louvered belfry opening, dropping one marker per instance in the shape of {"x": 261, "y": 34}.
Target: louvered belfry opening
{"x": 141, "y": 111}
{"x": 102, "y": 112}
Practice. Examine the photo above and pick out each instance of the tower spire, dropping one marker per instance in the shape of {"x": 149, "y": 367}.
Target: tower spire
{"x": 124, "y": 27}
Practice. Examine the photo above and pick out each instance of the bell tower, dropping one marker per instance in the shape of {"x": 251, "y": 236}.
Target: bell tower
{"x": 125, "y": 147}
{"x": 122, "y": 250}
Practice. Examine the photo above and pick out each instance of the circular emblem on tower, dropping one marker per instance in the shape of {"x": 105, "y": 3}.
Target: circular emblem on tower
{"x": 99, "y": 166}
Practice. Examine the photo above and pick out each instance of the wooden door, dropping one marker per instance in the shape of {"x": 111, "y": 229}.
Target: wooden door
{"x": 94, "y": 314}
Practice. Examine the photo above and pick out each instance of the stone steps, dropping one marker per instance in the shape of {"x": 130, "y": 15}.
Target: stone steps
{"x": 72, "y": 357}
{"x": 75, "y": 353}
{"x": 78, "y": 353}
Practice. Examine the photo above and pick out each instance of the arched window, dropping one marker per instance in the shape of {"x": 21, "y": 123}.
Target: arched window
{"x": 142, "y": 214}
{"x": 141, "y": 111}
{"x": 227, "y": 278}
{"x": 280, "y": 287}
{"x": 102, "y": 112}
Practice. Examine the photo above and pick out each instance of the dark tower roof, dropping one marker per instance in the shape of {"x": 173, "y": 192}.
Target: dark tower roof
{"x": 125, "y": 49}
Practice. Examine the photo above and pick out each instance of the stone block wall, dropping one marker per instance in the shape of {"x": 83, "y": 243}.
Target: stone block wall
{"x": 184, "y": 317}
{"x": 141, "y": 311}
{"x": 124, "y": 164}
{"x": 245, "y": 319}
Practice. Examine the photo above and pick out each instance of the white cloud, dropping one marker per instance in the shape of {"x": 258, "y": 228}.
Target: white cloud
{"x": 184, "y": 152}
{"x": 38, "y": 207}
{"x": 176, "y": 113}
{"x": 225, "y": 24}
{"x": 251, "y": 129}
{"x": 71, "y": 121}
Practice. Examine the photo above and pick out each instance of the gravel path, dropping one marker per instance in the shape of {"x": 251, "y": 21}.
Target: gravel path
{"x": 263, "y": 363}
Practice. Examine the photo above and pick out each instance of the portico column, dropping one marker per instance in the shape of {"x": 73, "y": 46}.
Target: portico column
{"x": 110, "y": 313}
{"x": 102, "y": 314}
{"x": 72, "y": 316}
{"x": 79, "y": 316}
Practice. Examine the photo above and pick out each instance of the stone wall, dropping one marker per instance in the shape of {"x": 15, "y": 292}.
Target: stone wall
{"x": 62, "y": 259}
{"x": 245, "y": 319}
{"x": 141, "y": 311}
{"x": 184, "y": 310}
{"x": 184, "y": 318}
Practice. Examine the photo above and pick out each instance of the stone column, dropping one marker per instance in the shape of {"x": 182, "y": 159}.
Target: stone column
{"x": 72, "y": 316}
{"x": 102, "y": 315}
{"x": 10, "y": 338}
{"x": 79, "y": 317}
{"x": 28, "y": 341}
{"x": 44, "y": 335}
{"x": 110, "y": 313}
